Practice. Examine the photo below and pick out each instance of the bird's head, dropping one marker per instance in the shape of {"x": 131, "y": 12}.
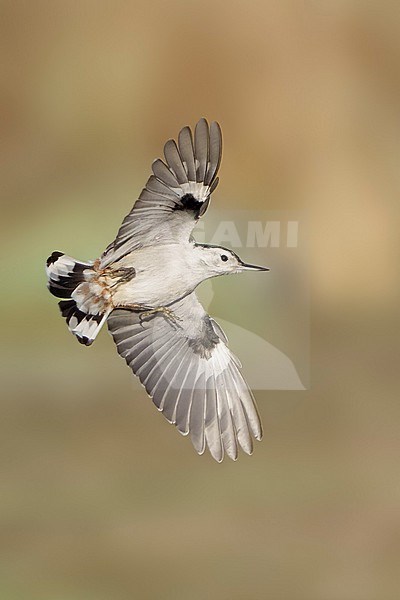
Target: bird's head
{"x": 217, "y": 260}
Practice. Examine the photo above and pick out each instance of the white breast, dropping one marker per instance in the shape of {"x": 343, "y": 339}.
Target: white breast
{"x": 163, "y": 275}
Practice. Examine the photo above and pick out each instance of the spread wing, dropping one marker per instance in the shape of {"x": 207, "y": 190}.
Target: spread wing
{"x": 175, "y": 196}
{"x": 191, "y": 375}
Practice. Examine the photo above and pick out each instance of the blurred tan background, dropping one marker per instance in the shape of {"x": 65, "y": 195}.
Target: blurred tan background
{"x": 100, "y": 497}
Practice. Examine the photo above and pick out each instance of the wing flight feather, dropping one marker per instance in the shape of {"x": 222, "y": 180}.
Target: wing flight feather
{"x": 176, "y": 195}
{"x": 191, "y": 375}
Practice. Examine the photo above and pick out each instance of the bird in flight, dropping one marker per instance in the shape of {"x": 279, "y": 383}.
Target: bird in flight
{"x": 144, "y": 285}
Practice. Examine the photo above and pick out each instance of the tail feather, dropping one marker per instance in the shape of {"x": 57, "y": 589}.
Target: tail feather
{"x": 65, "y": 274}
{"x": 85, "y": 327}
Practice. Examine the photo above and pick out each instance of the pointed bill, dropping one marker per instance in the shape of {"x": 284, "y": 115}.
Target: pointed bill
{"x": 248, "y": 267}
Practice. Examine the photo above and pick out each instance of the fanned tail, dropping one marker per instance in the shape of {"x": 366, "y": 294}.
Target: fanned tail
{"x": 65, "y": 274}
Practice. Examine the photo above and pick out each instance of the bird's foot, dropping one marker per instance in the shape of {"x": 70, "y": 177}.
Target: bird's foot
{"x": 123, "y": 275}
{"x": 168, "y": 313}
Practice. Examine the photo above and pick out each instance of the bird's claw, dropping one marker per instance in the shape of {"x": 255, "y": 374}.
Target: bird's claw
{"x": 168, "y": 313}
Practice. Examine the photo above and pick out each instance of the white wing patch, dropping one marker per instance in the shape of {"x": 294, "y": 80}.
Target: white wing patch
{"x": 197, "y": 190}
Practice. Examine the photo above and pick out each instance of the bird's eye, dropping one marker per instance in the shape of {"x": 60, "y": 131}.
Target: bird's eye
{"x": 224, "y": 257}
